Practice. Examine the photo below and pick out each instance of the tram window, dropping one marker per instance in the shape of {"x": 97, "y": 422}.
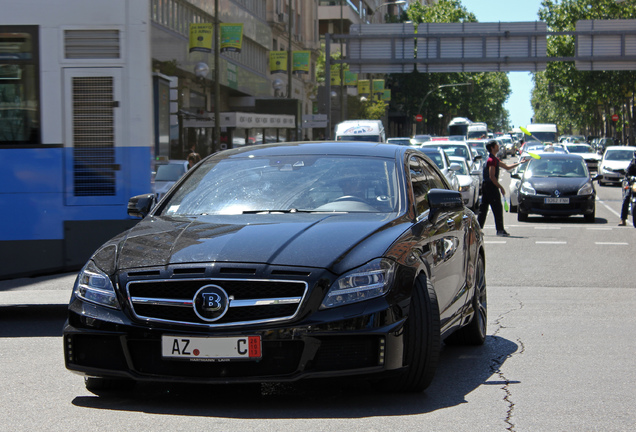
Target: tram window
{"x": 19, "y": 86}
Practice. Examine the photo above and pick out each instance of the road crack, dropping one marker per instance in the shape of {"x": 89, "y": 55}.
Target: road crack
{"x": 497, "y": 363}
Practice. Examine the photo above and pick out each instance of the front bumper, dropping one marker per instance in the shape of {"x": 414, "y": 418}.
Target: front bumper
{"x": 578, "y": 205}
{"x": 362, "y": 338}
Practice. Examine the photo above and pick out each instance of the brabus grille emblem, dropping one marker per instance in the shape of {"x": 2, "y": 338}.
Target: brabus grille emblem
{"x": 557, "y": 193}
{"x": 210, "y": 303}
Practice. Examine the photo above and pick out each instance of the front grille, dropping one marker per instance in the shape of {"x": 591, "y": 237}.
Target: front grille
{"x": 252, "y": 301}
{"x": 349, "y": 352}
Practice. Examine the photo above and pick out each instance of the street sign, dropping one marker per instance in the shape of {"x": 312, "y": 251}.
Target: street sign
{"x": 615, "y": 117}
{"x": 419, "y": 118}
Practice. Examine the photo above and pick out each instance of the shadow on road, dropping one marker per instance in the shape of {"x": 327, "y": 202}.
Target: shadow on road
{"x": 461, "y": 371}
{"x": 32, "y": 321}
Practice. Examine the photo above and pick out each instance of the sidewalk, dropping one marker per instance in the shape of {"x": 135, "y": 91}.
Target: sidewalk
{"x": 52, "y": 290}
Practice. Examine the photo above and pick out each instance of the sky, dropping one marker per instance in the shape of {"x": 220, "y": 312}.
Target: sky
{"x": 518, "y": 104}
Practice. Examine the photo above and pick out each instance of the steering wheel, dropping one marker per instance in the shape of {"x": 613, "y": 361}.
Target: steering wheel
{"x": 350, "y": 198}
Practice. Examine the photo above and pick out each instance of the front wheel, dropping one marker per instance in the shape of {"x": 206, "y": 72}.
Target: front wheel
{"x": 522, "y": 217}
{"x": 633, "y": 214}
{"x": 422, "y": 342}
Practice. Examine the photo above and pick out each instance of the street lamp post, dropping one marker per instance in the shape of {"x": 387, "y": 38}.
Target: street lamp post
{"x": 387, "y": 4}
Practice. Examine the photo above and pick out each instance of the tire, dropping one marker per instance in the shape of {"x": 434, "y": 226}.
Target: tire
{"x": 633, "y": 214}
{"x": 475, "y": 332}
{"x": 590, "y": 218}
{"x": 99, "y": 385}
{"x": 522, "y": 217}
{"x": 422, "y": 341}
{"x": 513, "y": 209}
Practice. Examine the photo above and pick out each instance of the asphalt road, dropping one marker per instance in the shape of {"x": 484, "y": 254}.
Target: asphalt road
{"x": 559, "y": 354}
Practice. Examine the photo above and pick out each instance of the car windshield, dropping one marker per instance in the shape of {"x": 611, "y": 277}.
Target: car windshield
{"x": 287, "y": 184}
{"x": 562, "y": 167}
{"x": 420, "y": 138}
{"x": 399, "y": 141}
{"x": 619, "y": 155}
{"x": 170, "y": 172}
{"x": 580, "y": 148}
{"x": 462, "y": 164}
{"x": 435, "y": 156}
{"x": 456, "y": 150}
{"x": 367, "y": 138}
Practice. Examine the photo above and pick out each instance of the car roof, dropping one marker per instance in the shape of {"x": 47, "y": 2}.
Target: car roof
{"x": 352, "y": 148}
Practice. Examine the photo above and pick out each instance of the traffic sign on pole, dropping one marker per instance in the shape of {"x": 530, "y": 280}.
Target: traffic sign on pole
{"x": 419, "y": 118}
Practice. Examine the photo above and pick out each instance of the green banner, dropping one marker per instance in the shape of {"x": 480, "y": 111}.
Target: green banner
{"x": 378, "y": 86}
{"x": 386, "y": 95}
{"x": 231, "y": 37}
{"x": 351, "y": 79}
{"x": 277, "y": 62}
{"x": 300, "y": 62}
{"x": 201, "y": 37}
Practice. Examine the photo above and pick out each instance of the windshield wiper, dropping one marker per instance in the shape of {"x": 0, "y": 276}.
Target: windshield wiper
{"x": 268, "y": 211}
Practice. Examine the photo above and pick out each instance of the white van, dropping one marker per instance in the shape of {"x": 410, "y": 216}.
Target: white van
{"x": 360, "y": 130}
{"x": 477, "y": 131}
{"x": 544, "y": 132}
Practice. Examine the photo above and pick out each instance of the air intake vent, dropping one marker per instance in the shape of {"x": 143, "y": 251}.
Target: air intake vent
{"x": 91, "y": 44}
{"x": 94, "y": 139}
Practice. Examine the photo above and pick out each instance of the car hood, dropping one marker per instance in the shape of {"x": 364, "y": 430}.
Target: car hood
{"x": 565, "y": 185}
{"x": 615, "y": 165}
{"x": 309, "y": 240}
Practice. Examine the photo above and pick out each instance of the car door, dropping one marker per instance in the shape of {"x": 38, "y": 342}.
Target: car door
{"x": 441, "y": 242}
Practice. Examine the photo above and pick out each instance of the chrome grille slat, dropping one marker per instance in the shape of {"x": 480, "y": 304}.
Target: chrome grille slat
{"x": 252, "y": 301}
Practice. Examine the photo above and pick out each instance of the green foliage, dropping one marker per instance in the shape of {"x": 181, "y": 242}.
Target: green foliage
{"x": 578, "y": 97}
{"x": 485, "y": 104}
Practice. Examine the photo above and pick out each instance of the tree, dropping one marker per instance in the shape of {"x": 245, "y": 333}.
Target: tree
{"x": 576, "y": 100}
{"x": 485, "y": 104}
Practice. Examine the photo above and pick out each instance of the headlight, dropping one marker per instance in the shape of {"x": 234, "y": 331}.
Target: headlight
{"x": 604, "y": 170}
{"x": 364, "y": 283}
{"x": 527, "y": 189}
{"x": 93, "y": 285}
{"x": 586, "y": 189}
{"x": 464, "y": 188}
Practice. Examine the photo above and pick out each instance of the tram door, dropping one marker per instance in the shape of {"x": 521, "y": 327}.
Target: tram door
{"x": 95, "y": 152}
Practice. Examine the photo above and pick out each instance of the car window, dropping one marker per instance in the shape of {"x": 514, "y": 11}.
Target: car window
{"x": 423, "y": 179}
{"x": 244, "y": 184}
{"x": 436, "y": 157}
{"x": 557, "y": 168}
{"x": 619, "y": 155}
{"x": 169, "y": 172}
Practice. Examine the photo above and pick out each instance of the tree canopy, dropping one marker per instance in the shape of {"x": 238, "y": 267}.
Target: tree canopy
{"x": 580, "y": 100}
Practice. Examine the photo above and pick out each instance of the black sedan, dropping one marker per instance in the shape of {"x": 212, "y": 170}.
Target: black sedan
{"x": 283, "y": 262}
{"x": 556, "y": 185}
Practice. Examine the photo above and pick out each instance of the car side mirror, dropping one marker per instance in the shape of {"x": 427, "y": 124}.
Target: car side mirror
{"x": 455, "y": 166}
{"x": 443, "y": 200}
{"x": 139, "y": 206}
{"x": 516, "y": 176}
{"x": 597, "y": 177}
{"x": 478, "y": 157}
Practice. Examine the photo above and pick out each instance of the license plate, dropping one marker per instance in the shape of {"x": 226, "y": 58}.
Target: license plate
{"x": 211, "y": 348}
{"x": 557, "y": 200}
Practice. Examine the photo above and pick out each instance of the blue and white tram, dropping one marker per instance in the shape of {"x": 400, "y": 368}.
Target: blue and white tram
{"x": 76, "y": 127}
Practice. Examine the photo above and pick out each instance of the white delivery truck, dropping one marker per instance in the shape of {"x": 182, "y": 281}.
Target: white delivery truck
{"x": 544, "y": 132}
{"x": 360, "y": 130}
{"x": 477, "y": 131}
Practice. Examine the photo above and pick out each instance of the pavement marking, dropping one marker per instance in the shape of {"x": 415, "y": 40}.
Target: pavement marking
{"x": 495, "y": 242}
{"x": 599, "y": 229}
{"x": 547, "y": 228}
{"x": 612, "y": 243}
{"x": 551, "y": 242}
{"x": 614, "y": 212}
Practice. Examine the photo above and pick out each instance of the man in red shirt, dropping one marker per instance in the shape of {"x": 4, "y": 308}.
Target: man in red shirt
{"x": 491, "y": 187}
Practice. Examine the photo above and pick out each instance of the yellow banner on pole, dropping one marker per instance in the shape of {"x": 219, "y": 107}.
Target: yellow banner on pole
{"x": 277, "y": 62}
{"x": 201, "y": 36}
{"x": 364, "y": 87}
